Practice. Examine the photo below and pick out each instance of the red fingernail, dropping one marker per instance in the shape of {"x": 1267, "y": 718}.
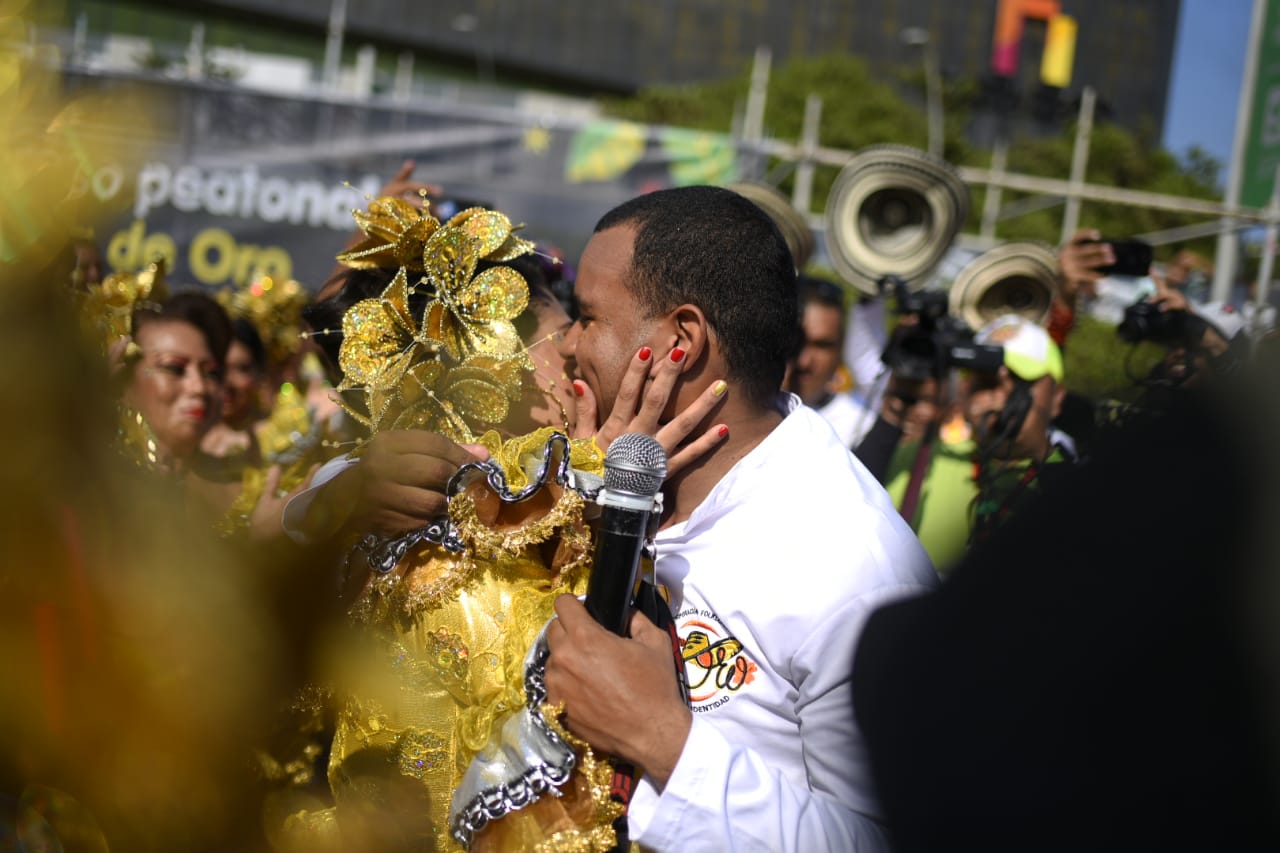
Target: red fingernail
{"x": 579, "y": 388}
{"x": 644, "y": 353}
{"x": 722, "y": 431}
{"x": 677, "y": 355}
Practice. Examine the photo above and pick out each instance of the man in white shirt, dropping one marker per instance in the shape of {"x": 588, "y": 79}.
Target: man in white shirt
{"x": 774, "y": 549}
{"x": 813, "y": 373}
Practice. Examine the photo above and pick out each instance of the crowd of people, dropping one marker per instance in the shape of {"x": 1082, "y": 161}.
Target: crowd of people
{"x": 408, "y": 462}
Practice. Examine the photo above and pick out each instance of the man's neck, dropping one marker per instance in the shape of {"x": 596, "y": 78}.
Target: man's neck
{"x": 689, "y": 488}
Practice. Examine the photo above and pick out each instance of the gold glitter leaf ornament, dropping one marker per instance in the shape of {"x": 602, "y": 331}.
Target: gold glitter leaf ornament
{"x": 106, "y": 309}
{"x": 489, "y": 228}
{"x": 494, "y": 233}
{"x": 431, "y": 397}
{"x": 457, "y": 367}
{"x": 396, "y": 233}
{"x": 378, "y": 339}
{"x": 474, "y": 314}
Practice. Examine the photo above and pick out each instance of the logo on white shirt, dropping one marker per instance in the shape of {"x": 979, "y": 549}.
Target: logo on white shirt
{"x": 715, "y": 663}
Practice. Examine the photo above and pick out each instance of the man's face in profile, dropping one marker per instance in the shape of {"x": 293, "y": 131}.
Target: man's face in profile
{"x": 612, "y": 325}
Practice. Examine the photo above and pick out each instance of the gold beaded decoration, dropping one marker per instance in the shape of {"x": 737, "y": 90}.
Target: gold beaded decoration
{"x": 458, "y": 368}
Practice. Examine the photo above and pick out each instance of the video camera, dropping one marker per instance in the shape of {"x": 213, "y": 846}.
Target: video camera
{"x": 1144, "y": 321}
{"x": 937, "y": 342}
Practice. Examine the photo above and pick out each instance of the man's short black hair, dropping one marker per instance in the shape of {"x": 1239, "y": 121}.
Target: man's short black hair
{"x": 712, "y": 248}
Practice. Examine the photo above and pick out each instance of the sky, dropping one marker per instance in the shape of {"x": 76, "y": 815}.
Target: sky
{"x": 1208, "y": 64}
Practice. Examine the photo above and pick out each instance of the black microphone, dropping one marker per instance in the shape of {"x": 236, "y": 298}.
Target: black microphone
{"x": 634, "y": 467}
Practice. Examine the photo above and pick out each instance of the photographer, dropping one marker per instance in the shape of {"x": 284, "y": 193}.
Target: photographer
{"x": 954, "y": 485}
{"x": 1081, "y": 264}
{"x": 917, "y": 359}
{"x": 925, "y": 464}
{"x": 1011, "y": 410}
{"x": 1202, "y": 341}
{"x": 923, "y": 458}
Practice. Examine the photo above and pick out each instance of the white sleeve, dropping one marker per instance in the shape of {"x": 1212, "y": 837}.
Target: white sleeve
{"x": 725, "y": 797}
{"x": 295, "y": 511}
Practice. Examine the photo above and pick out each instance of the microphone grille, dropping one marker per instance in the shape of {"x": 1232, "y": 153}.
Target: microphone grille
{"x": 635, "y": 463}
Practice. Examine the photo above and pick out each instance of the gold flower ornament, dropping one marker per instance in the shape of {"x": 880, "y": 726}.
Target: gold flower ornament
{"x": 456, "y": 368}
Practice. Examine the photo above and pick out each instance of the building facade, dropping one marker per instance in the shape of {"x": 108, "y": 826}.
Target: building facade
{"x": 1124, "y": 48}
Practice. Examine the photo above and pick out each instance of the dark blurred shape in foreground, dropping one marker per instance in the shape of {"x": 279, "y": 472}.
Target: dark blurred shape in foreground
{"x": 1103, "y": 673}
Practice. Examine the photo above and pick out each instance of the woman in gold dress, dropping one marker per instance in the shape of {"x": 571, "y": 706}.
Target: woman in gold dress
{"x": 446, "y": 613}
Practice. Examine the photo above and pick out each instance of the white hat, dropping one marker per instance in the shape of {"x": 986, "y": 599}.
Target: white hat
{"x": 1029, "y": 352}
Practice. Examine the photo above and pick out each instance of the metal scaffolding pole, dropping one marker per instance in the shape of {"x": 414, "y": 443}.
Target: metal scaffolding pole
{"x": 1224, "y": 269}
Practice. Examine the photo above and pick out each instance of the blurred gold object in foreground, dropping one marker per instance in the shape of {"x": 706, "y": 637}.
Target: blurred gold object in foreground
{"x": 137, "y": 654}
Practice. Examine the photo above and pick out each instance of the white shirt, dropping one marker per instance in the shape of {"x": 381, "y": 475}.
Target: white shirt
{"x": 864, "y": 341}
{"x": 295, "y": 511}
{"x": 849, "y": 417}
{"x": 773, "y": 575}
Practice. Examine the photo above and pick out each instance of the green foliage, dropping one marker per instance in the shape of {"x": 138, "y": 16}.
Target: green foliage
{"x": 1117, "y": 158}
{"x": 154, "y": 60}
{"x": 707, "y": 106}
{"x": 858, "y": 111}
{"x": 1099, "y": 365}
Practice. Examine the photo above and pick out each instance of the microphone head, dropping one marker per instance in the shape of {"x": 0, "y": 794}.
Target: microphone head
{"x": 636, "y": 464}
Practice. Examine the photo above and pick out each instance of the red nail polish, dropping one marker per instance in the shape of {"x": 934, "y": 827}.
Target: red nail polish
{"x": 578, "y": 387}
{"x": 677, "y": 355}
{"x": 722, "y": 431}
{"x": 644, "y": 353}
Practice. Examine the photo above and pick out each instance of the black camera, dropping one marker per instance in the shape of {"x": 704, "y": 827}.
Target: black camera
{"x": 1133, "y": 257}
{"x": 1144, "y": 321}
{"x": 937, "y": 342}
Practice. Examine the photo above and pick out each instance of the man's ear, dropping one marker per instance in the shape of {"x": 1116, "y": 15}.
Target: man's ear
{"x": 690, "y": 329}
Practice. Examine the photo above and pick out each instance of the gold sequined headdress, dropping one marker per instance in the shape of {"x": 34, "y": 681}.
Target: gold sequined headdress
{"x": 106, "y": 318}
{"x": 455, "y": 368}
{"x": 275, "y": 310}
{"x": 106, "y": 309}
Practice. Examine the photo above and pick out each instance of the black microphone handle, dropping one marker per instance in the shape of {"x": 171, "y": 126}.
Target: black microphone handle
{"x": 615, "y": 566}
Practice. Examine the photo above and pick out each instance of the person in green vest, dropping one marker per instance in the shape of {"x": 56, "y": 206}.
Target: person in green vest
{"x": 976, "y": 468}
{"x": 1011, "y": 412}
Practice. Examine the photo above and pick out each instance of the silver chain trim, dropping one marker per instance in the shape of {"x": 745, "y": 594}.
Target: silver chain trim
{"x": 385, "y": 554}
{"x": 539, "y": 778}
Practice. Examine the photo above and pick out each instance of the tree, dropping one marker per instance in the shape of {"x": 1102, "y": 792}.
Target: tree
{"x": 859, "y": 111}
{"x": 856, "y": 110}
{"x": 1117, "y": 158}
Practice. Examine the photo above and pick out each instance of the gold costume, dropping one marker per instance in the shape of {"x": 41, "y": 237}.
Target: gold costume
{"x": 435, "y": 664}
{"x": 438, "y": 667}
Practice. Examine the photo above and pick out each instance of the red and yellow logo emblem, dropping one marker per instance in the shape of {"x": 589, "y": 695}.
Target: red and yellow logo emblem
{"x": 714, "y": 661}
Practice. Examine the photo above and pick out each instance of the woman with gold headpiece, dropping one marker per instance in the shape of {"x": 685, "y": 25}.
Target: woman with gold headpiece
{"x": 174, "y": 379}
{"x": 243, "y": 386}
{"x": 168, "y": 356}
{"x": 446, "y": 613}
